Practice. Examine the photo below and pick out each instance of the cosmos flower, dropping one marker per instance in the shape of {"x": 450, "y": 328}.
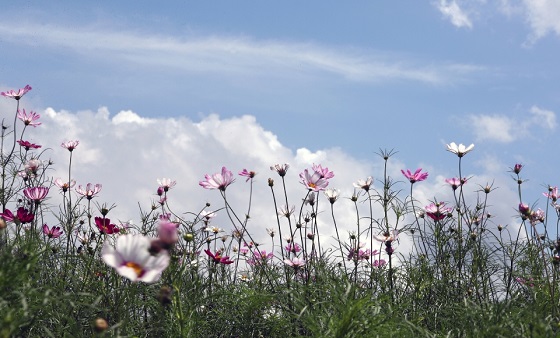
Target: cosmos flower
{"x": 167, "y": 231}
{"x": 437, "y": 211}
{"x": 364, "y": 184}
{"x": 416, "y": 177}
{"x": 324, "y": 172}
{"x": 218, "y": 180}
{"x": 460, "y": 150}
{"x": 166, "y": 184}
{"x": 28, "y": 145}
{"x": 455, "y": 182}
{"x": 249, "y": 174}
{"x": 53, "y": 232}
{"x": 29, "y": 119}
{"x": 90, "y": 191}
{"x": 64, "y": 186}
{"x": 131, "y": 258}
{"x": 105, "y": 227}
{"x": 22, "y": 216}
{"x": 295, "y": 263}
{"x": 313, "y": 182}
{"x": 217, "y": 257}
{"x": 70, "y": 145}
{"x": 36, "y": 194}
{"x": 281, "y": 169}
{"x": 332, "y": 194}
{"x": 387, "y": 236}
{"x": 552, "y": 193}
{"x": 16, "y": 95}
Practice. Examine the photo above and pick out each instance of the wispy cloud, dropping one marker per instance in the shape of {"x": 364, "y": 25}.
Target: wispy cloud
{"x": 506, "y": 129}
{"x": 228, "y": 54}
{"x": 453, "y": 12}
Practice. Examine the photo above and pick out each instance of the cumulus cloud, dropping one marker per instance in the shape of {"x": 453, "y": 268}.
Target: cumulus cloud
{"x": 506, "y": 129}
{"x": 453, "y": 12}
{"x": 542, "y": 16}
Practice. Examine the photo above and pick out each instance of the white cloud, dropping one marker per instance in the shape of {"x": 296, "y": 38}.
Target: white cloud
{"x": 228, "y": 55}
{"x": 506, "y": 129}
{"x": 454, "y": 13}
{"x": 543, "y": 17}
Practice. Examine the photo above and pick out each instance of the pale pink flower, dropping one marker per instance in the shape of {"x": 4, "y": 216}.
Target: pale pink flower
{"x": 131, "y": 258}
{"x": 218, "y": 180}
{"x": 325, "y": 173}
{"x": 16, "y": 95}
{"x": 70, "y": 145}
{"x": 552, "y": 193}
{"x": 167, "y": 231}
{"x": 29, "y": 119}
{"x": 64, "y": 186}
{"x": 437, "y": 211}
{"x": 53, "y": 232}
{"x": 292, "y": 248}
{"x": 295, "y": 263}
{"x": 166, "y": 184}
{"x": 90, "y": 191}
{"x": 416, "y": 177}
{"x": 36, "y": 194}
{"x": 313, "y": 182}
{"x": 387, "y": 236}
{"x": 460, "y": 150}
{"x": 281, "y": 169}
{"x": 364, "y": 184}
{"x": 246, "y": 173}
{"x": 32, "y": 165}
{"x": 455, "y": 182}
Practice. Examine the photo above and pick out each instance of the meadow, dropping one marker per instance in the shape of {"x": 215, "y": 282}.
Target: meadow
{"x": 445, "y": 269}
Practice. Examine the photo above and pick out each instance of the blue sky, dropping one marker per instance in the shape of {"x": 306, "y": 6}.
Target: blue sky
{"x": 322, "y": 77}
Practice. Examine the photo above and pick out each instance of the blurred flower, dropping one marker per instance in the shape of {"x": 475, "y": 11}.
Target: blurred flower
{"x": 271, "y": 232}
{"x": 295, "y": 263}
{"x": 29, "y": 119}
{"x": 552, "y": 193}
{"x": 36, "y": 194}
{"x": 218, "y": 180}
{"x": 310, "y": 199}
{"x": 105, "y": 227}
{"x": 517, "y": 168}
{"x": 53, "y": 232}
{"x": 64, "y": 186}
{"x": 131, "y": 258}
{"x": 293, "y": 248}
{"x": 260, "y": 258}
{"x": 218, "y": 258}
{"x": 379, "y": 263}
{"x": 387, "y": 236}
{"x": 324, "y": 172}
{"x": 416, "y": 177}
{"x": 524, "y": 209}
{"x": 437, "y": 211}
{"x": 364, "y": 184}
{"x": 313, "y": 182}
{"x": 281, "y": 169}
{"x": 28, "y": 145}
{"x": 70, "y": 145}
{"x": 167, "y": 231}
{"x": 90, "y": 191}
{"x": 248, "y": 174}
{"x": 332, "y": 194}
{"x": 32, "y": 165}
{"x": 16, "y": 95}
{"x": 460, "y": 150}
{"x": 454, "y": 182}
{"x": 166, "y": 184}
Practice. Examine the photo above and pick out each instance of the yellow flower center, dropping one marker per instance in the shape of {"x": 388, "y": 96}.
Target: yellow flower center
{"x": 137, "y": 268}
{"x": 311, "y": 185}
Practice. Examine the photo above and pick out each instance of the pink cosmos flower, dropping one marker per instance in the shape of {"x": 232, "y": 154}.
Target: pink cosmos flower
{"x": 379, "y": 263}
{"x": 313, "y": 182}
{"x": 131, "y": 258}
{"x": 53, "y": 232}
{"x": 416, "y": 177}
{"x": 217, "y": 257}
{"x": 260, "y": 258}
{"x": 292, "y": 248}
{"x": 295, "y": 263}
{"x": 32, "y": 165}
{"x": 455, "y": 183}
{"x": 524, "y": 209}
{"x": 517, "y": 168}
{"x": 105, "y": 227}
{"x": 29, "y": 119}
{"x": 36, "y": 194}
{"x": 324, "y": 172}
{"x": 387, "y": 236}
{"x": 249, "y": 174}
{"x": 552, "y": 193}
{"x": 218, "y": 180}
{"x": 22, "y": 216}
{"x": 90, "y": 191}
{"x": 437, "y": 211}
{"x": 28, "y": 145}
{"x": 281, "y": 169}
{"x": 70, "y": 145}
{"x": 364, "y": 184}
{"x": 64, "y": 186}
{"x": 167, "y": 231}
{"x": 166, "y": 184}
{"x": 16, "y": 95}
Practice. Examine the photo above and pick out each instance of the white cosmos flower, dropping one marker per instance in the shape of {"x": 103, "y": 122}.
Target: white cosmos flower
{"x": 460, "y": 149}
{"x": 132, "y": 259}
{"x": 332, "y": 194}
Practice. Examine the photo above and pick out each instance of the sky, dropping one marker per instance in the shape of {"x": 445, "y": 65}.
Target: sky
{"x": 181, "y": 89}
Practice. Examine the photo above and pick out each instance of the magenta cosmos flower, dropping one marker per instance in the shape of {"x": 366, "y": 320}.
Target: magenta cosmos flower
{"x": 22, "y": 216}
{"x": 437, "y": 211}
{"x": 247, "y": 173}
{"x": 70, "y": 145}
{"x": 36, "y": 194}
{"x": 90, "y": 191}
{"x": 313, "y": 182}
{"x": 28, "y": 145}
{"x": 29, "y": 119}
{"x": 53, "y": 232}
{"x": 218, "y": 180}
{"x": 131, "y": 258}
{"x": 416, "y": 177}
{"x": 105, "y": 227}
{"x": 16, "y": 95}
{"x": 217, "y": 257}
